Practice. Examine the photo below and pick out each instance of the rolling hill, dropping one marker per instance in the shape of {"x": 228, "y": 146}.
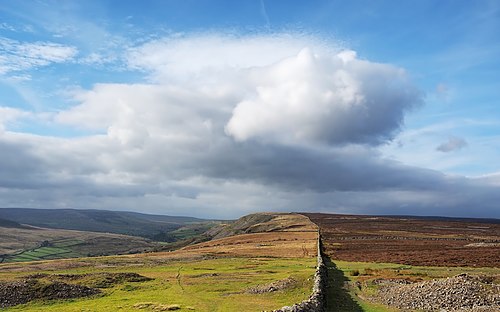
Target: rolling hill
{"x": 28, "y": 243}
{"x": 118, "y": 222}
{"x": 266, "y": 260}
{"x": 10, "y": 224}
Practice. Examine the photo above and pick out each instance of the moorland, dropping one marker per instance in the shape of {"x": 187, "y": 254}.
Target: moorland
{"x": 442, "y": 264}
{"x": 262, "y": 262}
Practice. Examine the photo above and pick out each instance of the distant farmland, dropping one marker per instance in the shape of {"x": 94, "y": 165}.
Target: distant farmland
{"x": 31, "y": 244}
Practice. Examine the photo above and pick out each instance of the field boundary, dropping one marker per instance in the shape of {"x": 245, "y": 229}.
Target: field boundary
{"x": 316, "y": 301}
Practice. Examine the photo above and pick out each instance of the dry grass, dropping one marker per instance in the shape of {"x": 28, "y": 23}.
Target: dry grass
{"x": 297, "y": 244}
{"x": 273, "y": 244}
{"x": 285, "y": 222}
{"x": 414, "y": 241}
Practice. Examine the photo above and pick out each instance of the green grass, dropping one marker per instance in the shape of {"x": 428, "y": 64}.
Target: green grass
{"x": 23, "y": 258}
{"x": 206, "y": 285}
{"x": 43, "y": 253}
{"x": 344, "y": 294}
{"x": 370, "y": 269}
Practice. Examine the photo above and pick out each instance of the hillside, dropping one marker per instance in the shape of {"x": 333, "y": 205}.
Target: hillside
{"x": 10, "y": 224}
{"x": 119, "y": 222}
{"x": 27, "y": 243}
{"x": 248, "y": 272}
{"x": 264, "y": 261}
{"x": 263, "y": 222}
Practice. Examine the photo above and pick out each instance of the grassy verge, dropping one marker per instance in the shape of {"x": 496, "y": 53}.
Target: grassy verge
{"x": 204, "y": 285}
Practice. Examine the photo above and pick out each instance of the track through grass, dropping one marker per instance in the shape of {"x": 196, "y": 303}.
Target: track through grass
{"x": 204, "y": 285}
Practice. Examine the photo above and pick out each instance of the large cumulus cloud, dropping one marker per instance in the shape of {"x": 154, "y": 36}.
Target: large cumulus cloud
{"x": 228, "y": 125}
{"x": 332, "y": 99}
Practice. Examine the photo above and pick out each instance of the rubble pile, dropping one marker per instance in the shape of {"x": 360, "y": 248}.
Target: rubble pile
{"x": 459, "y": 293}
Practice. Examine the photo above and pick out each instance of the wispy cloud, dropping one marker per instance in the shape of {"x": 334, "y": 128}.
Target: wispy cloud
{"x": 18, "y": 56}
{"x": 9, "y": 115}
{"x": 17, "y": 27}
{"x": 6, "y": 26}
{"x": 263, "y": 12}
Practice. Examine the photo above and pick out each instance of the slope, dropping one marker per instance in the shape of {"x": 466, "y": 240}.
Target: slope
{"x": 25, "y": 243}
{"x": 119, "y": 222}
{"x": 248, "y": 272}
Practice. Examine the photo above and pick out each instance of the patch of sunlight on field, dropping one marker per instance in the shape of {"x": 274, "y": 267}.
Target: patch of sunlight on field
{"x": 202, "y": 285}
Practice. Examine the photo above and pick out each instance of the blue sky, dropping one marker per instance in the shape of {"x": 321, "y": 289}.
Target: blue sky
{"x": 220, "y": 108}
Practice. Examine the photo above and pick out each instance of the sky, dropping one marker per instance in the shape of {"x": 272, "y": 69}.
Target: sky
{"x": 218, "y": 109}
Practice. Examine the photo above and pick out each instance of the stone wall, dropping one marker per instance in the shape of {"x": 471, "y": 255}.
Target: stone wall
{"x": 316, "y": 302}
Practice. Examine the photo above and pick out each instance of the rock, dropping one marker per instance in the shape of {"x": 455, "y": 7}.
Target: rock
{"x": 459, "y": 293}
{"x": 19, "y": 292}
{"x": 275, "y": 286}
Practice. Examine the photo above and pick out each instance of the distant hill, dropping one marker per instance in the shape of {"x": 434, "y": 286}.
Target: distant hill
{"x": 119, "y": 222}
{"x": 25, "y": 243}
{"x": 10, "y": 224}
{"x": 261, "y": 223}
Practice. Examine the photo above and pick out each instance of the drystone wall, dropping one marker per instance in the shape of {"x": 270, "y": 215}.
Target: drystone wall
{"x": 316, "y": 302}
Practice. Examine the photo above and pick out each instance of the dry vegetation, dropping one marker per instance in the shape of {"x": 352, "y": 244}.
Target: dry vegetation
{"x": 369, "y": 253}
{"x": 411, "y": 241}
{"x": 264, "y": 222}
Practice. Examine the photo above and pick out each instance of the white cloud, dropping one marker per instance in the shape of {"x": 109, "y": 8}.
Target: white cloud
{"x": 20, "y": 56}
{"x": 286, "y": 88}
{"x": 47, "y": 52}
{"x": 182, "y": 56}
{"x": 95, "y": 58}
{"x": 164, "y": 146}
{"x": 332, "y": 99}
{"x": 7, "y": 26}
{"x": 8, "y": 115}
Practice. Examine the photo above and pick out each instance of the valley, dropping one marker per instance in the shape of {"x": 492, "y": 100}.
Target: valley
{"x": 44, "y": 234}
{"x": 262, "y": 261}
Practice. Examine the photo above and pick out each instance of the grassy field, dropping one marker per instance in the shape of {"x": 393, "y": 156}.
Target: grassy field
{"x": 351, "y": 283}
{"x": 204, "y": 285}
{"x": 63, "y": 248}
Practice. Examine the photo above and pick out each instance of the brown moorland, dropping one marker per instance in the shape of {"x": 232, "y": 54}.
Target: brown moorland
{"x": 409, "y": 240}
